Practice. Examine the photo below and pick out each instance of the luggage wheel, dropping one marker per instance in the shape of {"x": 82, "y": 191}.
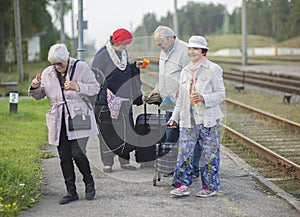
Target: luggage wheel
{"x": 154, "y": 180}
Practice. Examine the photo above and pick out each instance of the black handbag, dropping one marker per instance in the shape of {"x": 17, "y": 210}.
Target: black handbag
{"x": 79, "y": 122}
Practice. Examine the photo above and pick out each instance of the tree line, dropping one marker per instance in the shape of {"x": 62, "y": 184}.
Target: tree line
{"x": 279, "y": 19}
{"x": 34, "y": 19}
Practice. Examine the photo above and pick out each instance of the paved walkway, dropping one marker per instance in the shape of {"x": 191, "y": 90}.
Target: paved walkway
{"x": 131, "y": 193}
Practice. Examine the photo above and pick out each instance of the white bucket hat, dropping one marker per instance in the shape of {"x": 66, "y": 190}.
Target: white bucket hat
{"x": 198, "y": 41}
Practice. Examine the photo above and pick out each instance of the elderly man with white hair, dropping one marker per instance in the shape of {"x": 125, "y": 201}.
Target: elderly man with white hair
{"x": 173, "y": 57}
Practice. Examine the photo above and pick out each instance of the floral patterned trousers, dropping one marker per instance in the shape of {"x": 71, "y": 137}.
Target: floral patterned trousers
{"x": 209, "y": 141}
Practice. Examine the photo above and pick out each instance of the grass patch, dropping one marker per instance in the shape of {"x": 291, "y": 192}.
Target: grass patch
{"x": 22, "y": 136}
{"x": 10, "y": 73}
{"x": 289, "y": 186}
{"x": 235, "y": 41}
{"x": 293, "y": 42}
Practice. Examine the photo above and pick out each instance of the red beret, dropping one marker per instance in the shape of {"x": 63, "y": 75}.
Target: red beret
{"x": 122, "y": 36}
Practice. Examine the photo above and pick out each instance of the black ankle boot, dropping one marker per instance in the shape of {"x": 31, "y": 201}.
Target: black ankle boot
{"x": 90, "y": 191}
{"x": 68, "y": 198}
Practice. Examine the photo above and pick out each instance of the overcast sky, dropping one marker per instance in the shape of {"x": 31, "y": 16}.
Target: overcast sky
{"x": 104, "y": 16}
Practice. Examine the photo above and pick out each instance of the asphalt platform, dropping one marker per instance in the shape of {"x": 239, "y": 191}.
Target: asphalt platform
{"x": 244, "y": 192}
{"x": 132, "y": 193}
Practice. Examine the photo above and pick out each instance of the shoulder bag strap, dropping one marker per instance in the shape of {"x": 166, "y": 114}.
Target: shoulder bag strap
{"x": 73, "y": 69}
{"x": 62, "y": 91}
{"x": 71, "y": 76}
{"x": 63, "y": 95}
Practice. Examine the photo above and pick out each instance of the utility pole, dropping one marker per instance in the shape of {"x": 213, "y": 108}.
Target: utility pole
{"x": 175, "y": 18}
{"x": 80, "y": 49}
{"x": 244, "y": 34}
{"x": 225, "y": 21}
{"x": 62, "y": 23}
{"x": 18, "y": 40}
{"x": 73, "y": 35}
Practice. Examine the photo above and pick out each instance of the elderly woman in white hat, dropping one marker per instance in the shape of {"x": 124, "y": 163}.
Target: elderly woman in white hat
{"x": 197, "y": 113}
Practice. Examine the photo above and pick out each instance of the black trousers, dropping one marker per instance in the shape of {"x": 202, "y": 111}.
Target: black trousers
{"x": 69, "y": 151}
{"x": 116, "y": 135}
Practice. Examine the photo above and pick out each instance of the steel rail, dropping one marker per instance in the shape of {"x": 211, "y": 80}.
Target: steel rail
{"x": 293, "y": 81}
{"x": 294, "y": 125}
{"x": 258, "y": 148}
{"x": 265, "y": 84}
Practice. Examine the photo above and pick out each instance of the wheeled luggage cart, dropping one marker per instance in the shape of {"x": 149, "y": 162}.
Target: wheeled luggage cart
{"x": 152, "y": 129}
{"x": 153, "y": 147}
{"x": 165, "y": 162}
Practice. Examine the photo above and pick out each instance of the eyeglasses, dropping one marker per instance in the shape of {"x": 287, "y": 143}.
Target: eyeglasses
{"x": 58, "y": 64}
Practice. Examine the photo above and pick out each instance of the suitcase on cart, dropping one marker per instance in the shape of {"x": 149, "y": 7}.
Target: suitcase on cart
{"x": 166, "y": 158}
{"x": 151, "y": 130}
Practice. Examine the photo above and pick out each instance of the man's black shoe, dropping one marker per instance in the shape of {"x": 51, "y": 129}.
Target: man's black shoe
{"x": 90, "y": 191}
{"x": 68, "y": 198}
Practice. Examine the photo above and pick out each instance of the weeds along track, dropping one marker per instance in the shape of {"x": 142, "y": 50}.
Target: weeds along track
{"x": 269, "y": 143}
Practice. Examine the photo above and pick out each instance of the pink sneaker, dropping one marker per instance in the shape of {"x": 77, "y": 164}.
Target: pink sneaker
{"x": 205, "y": 193}
{"x": 181, "y": 191}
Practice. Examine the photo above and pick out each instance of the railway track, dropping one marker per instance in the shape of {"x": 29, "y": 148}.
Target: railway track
{"x": 273, "y": 137}
{"x": 291, "y": 86}
{"x": 269, "y": 143}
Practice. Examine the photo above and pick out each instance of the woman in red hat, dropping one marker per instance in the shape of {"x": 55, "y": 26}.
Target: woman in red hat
{"x": 114, "y": 104}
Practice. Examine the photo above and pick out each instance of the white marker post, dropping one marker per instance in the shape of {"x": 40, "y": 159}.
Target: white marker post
{"x": 13, "y": 100}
